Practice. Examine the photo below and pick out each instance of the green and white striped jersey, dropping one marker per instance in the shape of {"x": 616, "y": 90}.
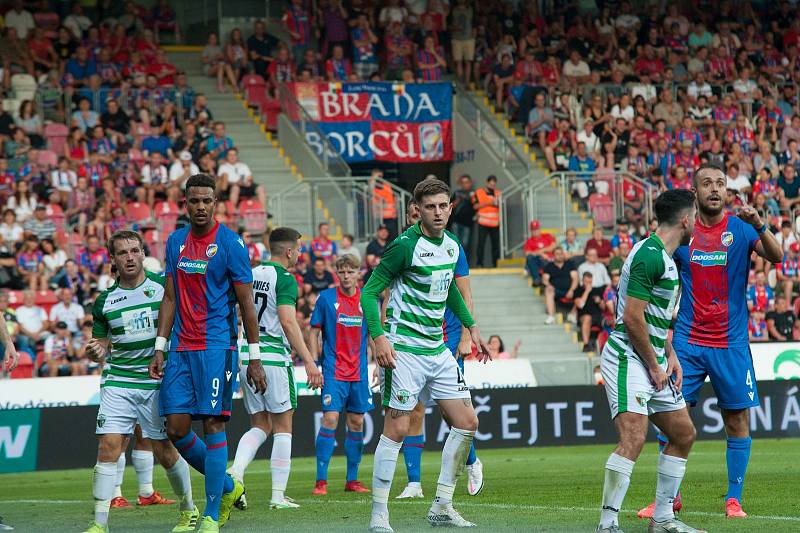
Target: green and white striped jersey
{"x": 420, "y": 270}
{"x": 648, "y": 274}
{"x": 273, "y": 285}
{"x": 130, "y": 318}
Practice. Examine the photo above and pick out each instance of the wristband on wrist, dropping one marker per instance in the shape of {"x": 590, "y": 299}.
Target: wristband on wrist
{"x": 762, "y": 229}
{"x": 253, "y": 351}
{"x": 161, "y": 344}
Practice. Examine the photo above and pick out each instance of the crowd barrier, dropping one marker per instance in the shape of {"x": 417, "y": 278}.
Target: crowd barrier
{"x": 60, "y": 438}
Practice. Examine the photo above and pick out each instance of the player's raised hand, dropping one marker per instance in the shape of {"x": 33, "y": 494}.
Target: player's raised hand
{"x": 313, "y": 375}
{"x": 156, "y": 366}
{"x": 749, "y": 214}
{"x": 384, "y": 352}
{"x": 95, "y": 350}
{"x": 256, "y": 377}
{"x": 483, "y": 350}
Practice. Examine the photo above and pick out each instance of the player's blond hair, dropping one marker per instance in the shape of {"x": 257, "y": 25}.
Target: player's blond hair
{"x": 347, "y": 260}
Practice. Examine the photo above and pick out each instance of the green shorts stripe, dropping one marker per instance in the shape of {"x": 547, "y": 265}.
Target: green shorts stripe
{"x": 622, "y": 385}
{"x": 292, "y": 387}
{"x": 387, "y": 386}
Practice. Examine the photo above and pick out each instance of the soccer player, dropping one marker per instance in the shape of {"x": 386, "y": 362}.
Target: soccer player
{"x": 208, "y": 272}
{"x": 275, "y": 293}
{"x": 711, "y": 330}
{"x": 125, "y": 317}
{"x": 458, "y": 341}
{"x": 641, "y": 372}
{"x": 419, "y": 265}
{"x": 337, "y": 316}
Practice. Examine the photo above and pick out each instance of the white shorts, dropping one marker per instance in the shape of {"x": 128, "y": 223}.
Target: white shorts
{"x": 281, "y": 394}
{"x": 121, "y": 409}
{"x": 421, "y": 378}
{"x": 629, "y": 389}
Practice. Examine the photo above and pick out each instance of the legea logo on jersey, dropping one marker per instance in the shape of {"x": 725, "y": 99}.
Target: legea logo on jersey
{"x": 349, "y": 321}
{"x": 138, "y": 323}
{"x": 193, "y": 266}
{"x": 709, "y": 258}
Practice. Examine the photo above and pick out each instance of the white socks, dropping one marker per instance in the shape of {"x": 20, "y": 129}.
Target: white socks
{"x": 454, "y": 456}
{"x": 280, "y": 464}
{"x": 120, "y": 475}
{"x": 105, "y": 478}
{"x": 143, "y": 464}
{"x": 670, "y": 474}
{"x": 618, "y": 477}
{"x": 246, "y": 451}
{"x": 178, "y": 475}
{"x": 382, "y": 473}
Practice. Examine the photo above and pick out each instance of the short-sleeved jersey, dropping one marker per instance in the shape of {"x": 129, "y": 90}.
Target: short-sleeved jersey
{"x": 344, "y": 335}
{"x": 204, "y": 271}
{"x": 648, "y": 274}
{"x": 452, "y": 325}
{"x": 273, "y": 286}
{"x": 714, "y": 268}
{"x": 419, "y": 270}
{"x": 129, "y": 319}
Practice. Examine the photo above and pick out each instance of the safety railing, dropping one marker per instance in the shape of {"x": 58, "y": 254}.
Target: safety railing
{"x": 352, "y": 202}
{"x": 331, "y": 161}
{"x": 508, "y": 152}
{"x": 558, "y": 200}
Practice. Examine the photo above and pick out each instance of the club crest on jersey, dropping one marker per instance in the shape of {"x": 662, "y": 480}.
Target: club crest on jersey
{"x": 727, "y": 238}
{"x": 149, "y": 292}
{"x": 707, "y": 259}
{"x": 450, "y": 252}
{"x": 193, "y": 266}
{"x": 211, "y": 250}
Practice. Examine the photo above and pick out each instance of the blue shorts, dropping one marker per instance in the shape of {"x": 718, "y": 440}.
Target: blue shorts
{"x": 198, "y": 383}
{"x": 730, "y": 370}
{"x": 453, "y": 347}
{"x": 349, "y": 396}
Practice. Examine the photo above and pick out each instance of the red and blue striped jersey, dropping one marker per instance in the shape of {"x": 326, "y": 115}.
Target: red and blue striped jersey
{"x": 714, "y": 269}
{"x": 344, "y": 335}
{"x": 204, "y": 271}
{"x": 452, "y": 325}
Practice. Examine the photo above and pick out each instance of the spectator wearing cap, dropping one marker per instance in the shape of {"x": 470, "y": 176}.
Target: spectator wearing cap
{"x": 182, "y": 169}
{"x": 538, "y": 250}
{"x": 486, "y": 202}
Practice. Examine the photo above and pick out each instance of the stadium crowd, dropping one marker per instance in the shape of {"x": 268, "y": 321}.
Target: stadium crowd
{"x": 98, "y": 131}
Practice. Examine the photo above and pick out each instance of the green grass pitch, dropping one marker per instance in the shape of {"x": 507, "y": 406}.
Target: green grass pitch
{"x": 532, "y": 489}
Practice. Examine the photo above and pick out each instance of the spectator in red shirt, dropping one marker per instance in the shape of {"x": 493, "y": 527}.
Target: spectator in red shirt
{"x": 538, "y": 251}
{"x": 282, "y": 69}
{"x": 649, "y": 64}
{"x": 162, "y": 70}
{"x": 601, "y": 244}
{"x": 338, "y": 67}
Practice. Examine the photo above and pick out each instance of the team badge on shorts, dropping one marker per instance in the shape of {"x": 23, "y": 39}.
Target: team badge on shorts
{"x": 149, "y": 292}
{"x": 641, "y": 399}
{"x": 326, "y": 400}
{"x": 727, "y": 238}
{"x": 403, "y": 396}
{"x": 101, "y": 420}
{"x": 211, "y": 251}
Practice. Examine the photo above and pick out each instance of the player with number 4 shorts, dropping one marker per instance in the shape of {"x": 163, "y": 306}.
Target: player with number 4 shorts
{"x": 711, "y": 336}
{"x": 208, "y": 273}
{"x": 275, "y": 297}
{"x": 338, "y": 318}
{"x": 641, "y": 372}
{"x": 123, "y": 336}
{"x": 419, "y": 267}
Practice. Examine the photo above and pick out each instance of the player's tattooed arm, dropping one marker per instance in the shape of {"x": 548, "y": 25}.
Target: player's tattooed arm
{"x": 397, "y": 413}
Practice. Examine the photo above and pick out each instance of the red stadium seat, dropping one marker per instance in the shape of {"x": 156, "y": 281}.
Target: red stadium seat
{"x": 271, "y": 109}
{"x": 47, "y": 159}
{"x": 167, "y": 214}
{"x": 602, "y": 208}
{"x": 138, "y": 213}
{"x": 56, "y": 214}
{"x": 254, "y": 216}
{"x": 14, "y": 299}
{"x": 24, "y": 368}
{"x": 56, "y": 135}
{"x": 254, "y": 89}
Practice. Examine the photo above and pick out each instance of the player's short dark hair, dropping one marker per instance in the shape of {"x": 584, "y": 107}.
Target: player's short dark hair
{"x": 123, "y": 235}
{"x": 282, "y": 238}
{"x": 430, "y": 186}
{"x": 705, "y": 167}
{"x": 201, "y": 180}
{"x": 671, "y": 205}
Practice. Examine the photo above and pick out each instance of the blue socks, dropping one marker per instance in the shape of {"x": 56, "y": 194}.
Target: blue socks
{"x": 353, "y": 448}
{"x": 737, "y": 457}
{"x": 412, "y": 453}
{"x": 472, "y": 457}
{"x": 200, "y": 457}
{"x": 216, "y": 462}
{"x": 326, "y": 442}
{"x": 193, "y": 449}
